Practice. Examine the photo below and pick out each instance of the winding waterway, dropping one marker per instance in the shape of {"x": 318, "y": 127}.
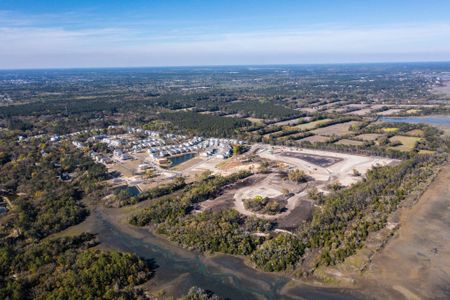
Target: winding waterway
{"x": 178, "y": 269}
{"x": 431, "y": 120}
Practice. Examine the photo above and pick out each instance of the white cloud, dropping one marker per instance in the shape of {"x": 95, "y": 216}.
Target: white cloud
{"x": 28, "y": 45}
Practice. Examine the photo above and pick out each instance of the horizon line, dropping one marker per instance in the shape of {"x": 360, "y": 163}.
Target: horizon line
{"x": 229, "y": 65}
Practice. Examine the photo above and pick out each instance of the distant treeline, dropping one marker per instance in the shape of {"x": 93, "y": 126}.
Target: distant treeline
{"x": 263, "y": 110}
{"x": 205, "y": 125}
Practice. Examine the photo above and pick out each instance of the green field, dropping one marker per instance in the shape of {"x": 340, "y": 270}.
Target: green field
{"x": 408, "y": 142}
{"x": 311, "y": 125}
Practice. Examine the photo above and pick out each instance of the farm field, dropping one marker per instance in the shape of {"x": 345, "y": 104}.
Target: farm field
{"x": 390, "y": 112}
{"x": 361, "y": 112}
{"x": 311, "y": 125}
{"x": 416, "y": 133}
{"x": 316, "y": 139}
{"x": 336, "y": 129}
{"x": 349, "y": 142}
{"x": 408, "y": 143}
{"x": 368, "y": 136}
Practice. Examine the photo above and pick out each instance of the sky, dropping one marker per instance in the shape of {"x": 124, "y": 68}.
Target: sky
{"x": 112, "y": 33}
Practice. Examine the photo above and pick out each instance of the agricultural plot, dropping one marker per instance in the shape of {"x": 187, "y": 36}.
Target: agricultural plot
{"x": 292, "y": 122}
{"x": 427, "y": 152}
{"x": 368, "y": 136}
{"x": 416, "y": 133}
{"x": 349, "y": 142}
{"x": 308, "y": 109}
{"x": 360, "y": 112}
{"x": 316, "y": 139}
{"x": 257, "y": 121}
{"x": 413, "y": 111}
{"x": 408, "y": 143}
{"x": 336, "y": 129}
{"x": 390, "y": 129}
{"x": 311, "y": 125}
{"x": 389, "y": 112}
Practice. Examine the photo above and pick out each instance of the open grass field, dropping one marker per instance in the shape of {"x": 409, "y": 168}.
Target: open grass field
{"x": 316, "y": 139}
{"x": 368, "y": 136}
{"x": 416, "y": 133}
{"x": 390, "y": 129}
{"x": 256, "y": 120}
{"x": 413, "y": 111}
{"x": 426, "y": 152}
{"x": 289, "y": 122}
{"x": 336, "y": 129}
{"x": 311, "y": 125}
{"x": 408, "y": 142}
{"x": 360, "y": 112}
{"x": 389, "y": 112}
{"x": 349, "y": 142}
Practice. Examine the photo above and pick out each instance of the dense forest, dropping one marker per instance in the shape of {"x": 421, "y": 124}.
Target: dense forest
{"x": 264, "y": 110}
{"x": 48, "y": 187}
{"x": 205, "y": 125}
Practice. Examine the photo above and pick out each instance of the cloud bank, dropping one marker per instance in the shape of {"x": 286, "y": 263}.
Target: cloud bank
{"x": 34, "y": 43}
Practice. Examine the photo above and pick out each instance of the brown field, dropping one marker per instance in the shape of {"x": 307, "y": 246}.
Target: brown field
{"x": 231, "y": 116}
{"x": 206, "y": 112}
{"x": 315, "y": 139}
{"x": 308, "y": 109}
{"x": 336, "y": 129}
{"x": 368, "y": 136}
{"x": 126, "y": 167}
{"x": 416, "y": 133}
{"x": 389, "y": 112}
{"x": 255, "y": 120}
{"x": 361, "y": 112}
{"x": 289, "y": 122}
{"x": 349, "y": 142}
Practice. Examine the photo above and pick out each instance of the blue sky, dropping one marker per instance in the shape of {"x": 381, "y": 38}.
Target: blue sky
{"x": 69, "y": 33}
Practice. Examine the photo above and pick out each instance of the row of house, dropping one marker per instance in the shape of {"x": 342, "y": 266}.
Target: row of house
{"x": 191, "y": 145}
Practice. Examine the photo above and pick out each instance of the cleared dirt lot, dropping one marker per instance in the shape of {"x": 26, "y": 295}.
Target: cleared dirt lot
{"x": 342, "y": 170}
{"x": 320, "y": 160}
{"x": 269, "y": 186}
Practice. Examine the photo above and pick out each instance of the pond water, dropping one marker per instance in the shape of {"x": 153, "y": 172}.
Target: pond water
{"x": 431, "y": 120}
{"x": 176, "y": 160}
{"x": 131, "y": 190}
